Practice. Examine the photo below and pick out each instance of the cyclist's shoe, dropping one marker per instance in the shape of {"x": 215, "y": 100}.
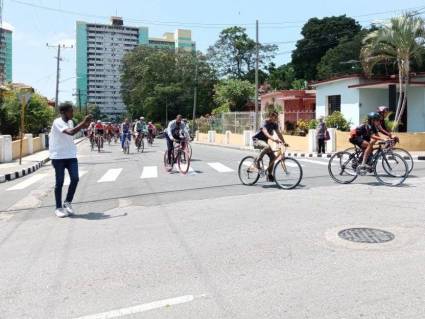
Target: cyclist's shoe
{"x": 270, "y": 178}
{"x": 363, "y": 169}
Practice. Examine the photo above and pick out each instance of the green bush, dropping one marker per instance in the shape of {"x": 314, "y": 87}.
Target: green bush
{"x": 312, "y": 124}
{"x": 337, "y": 120}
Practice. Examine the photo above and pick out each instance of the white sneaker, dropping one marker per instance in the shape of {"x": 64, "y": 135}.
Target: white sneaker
{"x": 61, "y": 212}
{"x": 68, "y": 207}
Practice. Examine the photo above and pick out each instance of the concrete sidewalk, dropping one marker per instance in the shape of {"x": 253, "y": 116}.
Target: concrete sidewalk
{"x": 31, "y": 163}
{"x": 294, "y": 153}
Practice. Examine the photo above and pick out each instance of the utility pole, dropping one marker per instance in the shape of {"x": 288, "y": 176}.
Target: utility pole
{"x": 257, "y": 57}
{"x": 195, "y": 95}
{"x": 78, "y": 95}
{"x": 58, "y": 58}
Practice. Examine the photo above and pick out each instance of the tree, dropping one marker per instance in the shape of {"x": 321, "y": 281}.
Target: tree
{"x": 343, "y": 59}
{"x": 94, "y": 110}
{"x": 233, "y": 94}
{"x": 320, "y": 35}
{"x": 38, "y": 114}
{"x": 400, "y": 40}
{"x": 153, "y": 80}
{"x": 281, "y": 78}
{"x": 234, "y": 53}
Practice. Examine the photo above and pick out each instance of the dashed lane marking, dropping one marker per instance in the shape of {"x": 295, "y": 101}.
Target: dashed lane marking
{"x": 220, "y": 167}
{"x": 111, "y": 175}
{"x": 149, "y": 172}
{"x": 28, "y": 182}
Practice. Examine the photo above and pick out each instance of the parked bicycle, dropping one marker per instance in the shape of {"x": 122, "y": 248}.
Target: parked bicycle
{"x": 180, "y": 156}
{"x": 389, "y": 168}
{"x": 287, "y": 171}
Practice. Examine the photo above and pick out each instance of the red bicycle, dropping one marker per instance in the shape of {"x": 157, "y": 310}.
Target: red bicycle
{"x": 180, "y": 156}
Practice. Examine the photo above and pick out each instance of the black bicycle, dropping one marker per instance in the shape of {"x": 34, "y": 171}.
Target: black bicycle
{"x": 388, "y": 168}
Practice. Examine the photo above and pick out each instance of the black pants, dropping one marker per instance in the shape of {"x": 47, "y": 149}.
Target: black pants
{"x": 170, "y": 148}
{"x": 71, "y": 164}
{"x": 321, "y": 145}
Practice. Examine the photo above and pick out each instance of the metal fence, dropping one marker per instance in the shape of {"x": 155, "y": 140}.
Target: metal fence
{"x": 235, "y": 122}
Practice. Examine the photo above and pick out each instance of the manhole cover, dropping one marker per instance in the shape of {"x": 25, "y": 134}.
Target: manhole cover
{"x": 366, "y": 235}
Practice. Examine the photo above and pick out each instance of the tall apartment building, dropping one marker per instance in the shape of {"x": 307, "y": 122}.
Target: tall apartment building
{"x": 6, "y": 54}
{"x": 100, "y": 49}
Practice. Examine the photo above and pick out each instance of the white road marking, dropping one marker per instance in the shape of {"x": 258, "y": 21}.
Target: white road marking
{"x": 192, "y": 171}
{"x": 313, "y": 161}
{"x": 149, "y": 172}
{"x": 111, "y": 175}
{"x": 67, "y": 180}
{"x": 28, "y": 182}
{"x": 140, "y": 308}
{"x": 220, "y": 167}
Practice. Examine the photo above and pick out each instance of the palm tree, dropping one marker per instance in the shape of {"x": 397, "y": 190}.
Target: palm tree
{"x": 400, "y": 41}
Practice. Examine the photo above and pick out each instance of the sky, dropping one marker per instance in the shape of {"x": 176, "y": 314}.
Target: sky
{"x": 280, "y": 22}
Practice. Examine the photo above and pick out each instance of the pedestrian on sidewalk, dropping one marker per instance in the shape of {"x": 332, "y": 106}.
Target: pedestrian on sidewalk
{"x": 63, "y": 153}
{"x": 322, "y": 136}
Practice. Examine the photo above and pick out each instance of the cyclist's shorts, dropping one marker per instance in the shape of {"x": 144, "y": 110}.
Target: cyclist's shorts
{"x": 260, "y": 144}
{"x": 99, "y": 132}
{"x": 357, "y": 140}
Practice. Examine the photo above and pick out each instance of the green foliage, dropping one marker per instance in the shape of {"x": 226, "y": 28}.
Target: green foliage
{"x": 320, "y": 35}
{"x": 273, "y": 107}
{"x": 154, "y": 80}
{"x": 221, "y": 109}
{"x": 302, "y": 126}
{"x": 233, "y": 54}
{"x": 312, "y": 124}
{"x": 38, "y": 114}
{"x": 337, "y": 120}
{"x": 233, "y": 94}
{"x": 299, "y": 84}
{"x": 343, "y": 59}
{"x": 282, "y": 77}
{"x": 95, "y": 111}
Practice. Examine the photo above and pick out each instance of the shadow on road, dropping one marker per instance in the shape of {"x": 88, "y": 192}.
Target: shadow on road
{"x": 96, "y": 216}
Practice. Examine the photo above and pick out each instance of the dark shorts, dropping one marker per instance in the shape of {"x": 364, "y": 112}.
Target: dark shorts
{"x": 357, "y": 140}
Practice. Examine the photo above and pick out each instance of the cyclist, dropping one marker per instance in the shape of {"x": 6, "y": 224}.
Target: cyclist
{"x": 139, "y": 129}
{"x": 383, "y": 112}
{"x": 261, "y": 138}
{"x": 116, "y": 132}
{"x": 151, "y": 130}
{"x": 99, "y": 132}
{"x": 90, "y": 131}
{"x": 175, "y": 131}
{"x": 365, "y": 136}
{"x": 125, "y": 132}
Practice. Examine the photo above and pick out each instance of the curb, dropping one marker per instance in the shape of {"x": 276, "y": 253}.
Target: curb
{"x": 291, "y": 153}
{"x": 26, "y": 171}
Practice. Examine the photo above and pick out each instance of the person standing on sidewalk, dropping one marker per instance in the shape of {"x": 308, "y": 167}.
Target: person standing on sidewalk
{"x": 322, "y": 136}
{"x": 63, "y": 153}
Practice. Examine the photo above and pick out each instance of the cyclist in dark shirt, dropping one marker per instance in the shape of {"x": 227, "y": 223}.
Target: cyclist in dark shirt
{"x": 383, "y": 112}
{"x": 365, "y": 136}
{"x": 261, "y": 138}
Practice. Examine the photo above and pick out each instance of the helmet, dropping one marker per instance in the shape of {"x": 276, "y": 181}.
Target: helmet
{"x": 99, "y": 121}
{"x": 150, "y": 123}
{"x": 383, "y": 109}
{"x": 373, "y": 116}
{"x": 142, "y": 118}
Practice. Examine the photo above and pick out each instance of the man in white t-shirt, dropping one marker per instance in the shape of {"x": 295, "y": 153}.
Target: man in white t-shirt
{"x": 63, "y": 153}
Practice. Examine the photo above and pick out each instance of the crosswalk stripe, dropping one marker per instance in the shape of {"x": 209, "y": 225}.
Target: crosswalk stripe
{"x": 313, "y": 162}
{"x": 220, "y": 167}
{"x": 111, "y": 175}
{"x": 67, "y": 180}
{"x": 28, "y": 182}
{"x": 149, "y": 172}
{"x": 192, "y": 171}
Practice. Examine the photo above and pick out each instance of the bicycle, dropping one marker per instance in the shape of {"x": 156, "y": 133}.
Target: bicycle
{"x": 140, "y": 144}
{"x": 150, "y": 138}
{"x": 126, "y": 144}
{"x": 389, "y": 168}
{"x": 92, "y": 142}
{"x": 180, "y": 155}
{"x": 99, "y": 142}
{"x": 396, "y": 150}
{"x": 287, "y": 171}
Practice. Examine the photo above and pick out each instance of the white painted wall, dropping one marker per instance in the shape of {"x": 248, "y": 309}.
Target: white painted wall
{"x": 416, "y": 109}
{"x": 349, "y": 98}
{"x": 370, "y": 99}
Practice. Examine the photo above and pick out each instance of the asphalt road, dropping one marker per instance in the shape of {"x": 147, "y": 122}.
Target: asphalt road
{"x": 149, "y": 244}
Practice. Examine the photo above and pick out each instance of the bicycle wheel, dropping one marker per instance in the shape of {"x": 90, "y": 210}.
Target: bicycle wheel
{"x": 167, "y": 164}
{"x": 391, "y": 169}
{"x": 189, "y": 149}
{"x": 183, "y": 161}
{"x": 98, "y": 145}
{"x": 342, "y": 167}
{"x": 287, "y": 173}
{"x": 248, "y": 171}
{"x": 406, "y": 156}
{"x": 142, "y": 145}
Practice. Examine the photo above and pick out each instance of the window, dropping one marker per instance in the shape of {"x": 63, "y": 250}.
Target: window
{"x": 334, "y": 104}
